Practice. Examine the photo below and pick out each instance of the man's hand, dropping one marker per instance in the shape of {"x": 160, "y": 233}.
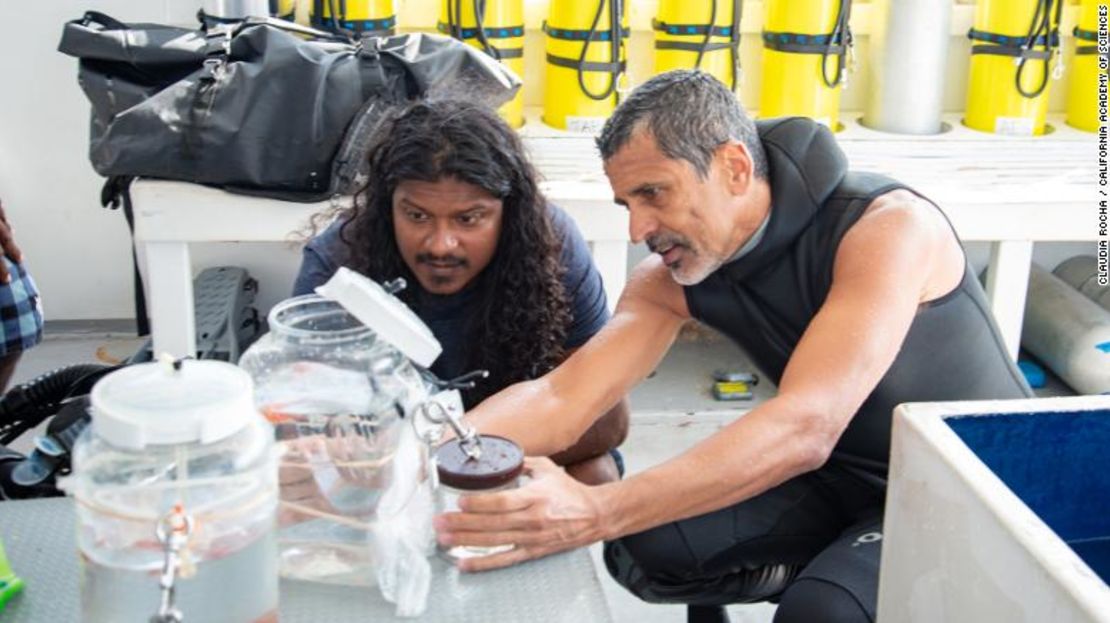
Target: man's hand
{"x": 550, "y": 514}
{"x": 301, "y": 497}
{"x": 7, "y": 246}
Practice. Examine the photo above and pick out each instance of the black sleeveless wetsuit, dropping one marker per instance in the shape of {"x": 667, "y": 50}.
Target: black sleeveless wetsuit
{"x": 814, "y": 541}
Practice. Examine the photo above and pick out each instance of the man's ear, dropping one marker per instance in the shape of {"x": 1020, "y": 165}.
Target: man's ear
{"x": 736, "y": 166}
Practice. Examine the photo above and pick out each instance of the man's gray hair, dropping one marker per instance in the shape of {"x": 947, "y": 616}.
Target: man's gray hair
{"x": 690, "y": 114}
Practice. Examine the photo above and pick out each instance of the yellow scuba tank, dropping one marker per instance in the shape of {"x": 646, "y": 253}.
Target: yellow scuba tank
{"x": 805, "y": 47}
{"x": 684, "y": 39}
{"x": 283, "y": 9}
{"x": 585, "y": 62}
{"x": 497, "y": 28}
{"x": 365, "y": 17}
{"x": 1014, "y": 45}
{"x": 1082, "y": 111}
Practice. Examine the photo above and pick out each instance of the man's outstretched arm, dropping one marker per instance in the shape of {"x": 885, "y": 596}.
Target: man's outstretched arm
{"x": 886, "y": 266}
{"x": 548, "y": 415}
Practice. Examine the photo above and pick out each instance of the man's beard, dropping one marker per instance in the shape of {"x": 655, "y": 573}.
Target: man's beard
{"x": 686, "y": 271}
{"x": 442, "y": 261}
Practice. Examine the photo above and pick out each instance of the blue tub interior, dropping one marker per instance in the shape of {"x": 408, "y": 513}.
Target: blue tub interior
{"x": 1059, "y": 465}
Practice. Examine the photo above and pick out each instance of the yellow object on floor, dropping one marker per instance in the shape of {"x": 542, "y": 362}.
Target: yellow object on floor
{"x": 1014, "y": 58}
{"x": 805, "y": 48}
{"x": 585, "y": 44}
{"x": 497, "y": 28}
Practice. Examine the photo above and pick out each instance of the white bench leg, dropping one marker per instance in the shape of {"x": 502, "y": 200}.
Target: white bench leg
{"x": 1007, "y": 284}
{"x": 611, "y": 259}
{"x": 170, "y": 278}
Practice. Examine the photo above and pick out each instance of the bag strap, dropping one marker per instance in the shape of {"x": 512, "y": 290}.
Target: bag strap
{"x": 96, "y": 17}
{"x": 290, "y": 27}
{"x": 237, "y": 26}
{"x": 117, "y": 192}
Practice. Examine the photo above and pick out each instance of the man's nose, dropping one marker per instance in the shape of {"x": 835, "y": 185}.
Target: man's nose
{"x": 640, "y": 225}
{"x": 442, "y": 241}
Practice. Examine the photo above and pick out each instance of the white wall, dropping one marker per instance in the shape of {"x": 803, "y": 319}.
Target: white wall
{"x": 79, "y": 253}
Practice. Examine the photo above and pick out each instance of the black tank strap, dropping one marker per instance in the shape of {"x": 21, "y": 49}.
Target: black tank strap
{"x": 572, "y": 63}
{"x": 1016, "y": 47}
{"x": 707, "y": 32}
{"x": 491, "y": 32}
{"x": 799, "y": 43}
{"x": 694, "y": 47}
{"x": 696, "y": 29}
{"x": 569, "y": 34}
{"x": 837, "y": 43}
{"x": 1085, "y": 35}
{"x": 615, "y": 36}
{"x": 691, "y": 29}
{"x": 369, "y": 27}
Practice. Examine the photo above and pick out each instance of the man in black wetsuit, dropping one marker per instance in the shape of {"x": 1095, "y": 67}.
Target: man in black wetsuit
{"x": 847, "y": 289}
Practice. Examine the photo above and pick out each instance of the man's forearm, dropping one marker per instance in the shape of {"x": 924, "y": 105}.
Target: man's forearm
{"x": 603, "y": 435}
{"x": 755, "y": 453}
{"x": 529, "y": 414}
{"x": 549, "y": 414}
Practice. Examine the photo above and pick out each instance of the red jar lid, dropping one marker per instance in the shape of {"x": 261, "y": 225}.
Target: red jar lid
{"x": 502, "y": 461}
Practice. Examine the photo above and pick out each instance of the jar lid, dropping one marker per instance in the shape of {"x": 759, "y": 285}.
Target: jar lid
{"x": 502, "y": 461}
{"x": 162, "y": 403}
{"x": 389, "y": 318}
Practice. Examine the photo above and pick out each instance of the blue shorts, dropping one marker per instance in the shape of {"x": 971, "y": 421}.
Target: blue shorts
{"x": 20, "y": 311}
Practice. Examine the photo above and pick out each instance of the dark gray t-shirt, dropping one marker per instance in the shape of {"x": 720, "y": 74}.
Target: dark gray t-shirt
{"x": 448, "y": 316}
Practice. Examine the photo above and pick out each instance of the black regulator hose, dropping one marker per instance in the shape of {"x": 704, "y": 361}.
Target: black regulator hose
{"x": 26, "y": 405}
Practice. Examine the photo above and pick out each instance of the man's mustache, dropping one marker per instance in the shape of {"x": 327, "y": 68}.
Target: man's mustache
{"x": 666, "y": 241}
{"x": 440, "y": 260}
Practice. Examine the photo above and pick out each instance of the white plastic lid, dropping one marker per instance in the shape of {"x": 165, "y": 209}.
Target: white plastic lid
{"x": 387, "y": 316}
{"x": 158, "y": 404}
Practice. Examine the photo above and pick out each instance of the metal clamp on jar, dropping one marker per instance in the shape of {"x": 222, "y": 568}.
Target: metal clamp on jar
{"x": 472, "y": 464}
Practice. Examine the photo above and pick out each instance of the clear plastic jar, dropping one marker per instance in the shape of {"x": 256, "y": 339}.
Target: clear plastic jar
{"x": 166, "y": 442}
{"x": 498, "y": 468}
{"x": 336, "y": 395}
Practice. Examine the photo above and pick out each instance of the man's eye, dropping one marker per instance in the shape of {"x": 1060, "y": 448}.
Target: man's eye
{"x": 417, "y": 216}
{"x": 470, "y": 219}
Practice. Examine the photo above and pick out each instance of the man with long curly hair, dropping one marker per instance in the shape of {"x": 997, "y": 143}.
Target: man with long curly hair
{"x": 503, "y": 279}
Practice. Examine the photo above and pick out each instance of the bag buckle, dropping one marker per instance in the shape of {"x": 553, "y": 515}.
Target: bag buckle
{"x": 217, "y": 50}
{"x": 218, "y": 40}
{"x": 213, "y": 68}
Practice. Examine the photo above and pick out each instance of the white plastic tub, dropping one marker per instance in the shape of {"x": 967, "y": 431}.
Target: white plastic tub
{"x": 998, "y": 511}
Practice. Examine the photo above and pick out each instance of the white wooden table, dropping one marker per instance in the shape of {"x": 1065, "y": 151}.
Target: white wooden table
{"x": 1009, "y": 191}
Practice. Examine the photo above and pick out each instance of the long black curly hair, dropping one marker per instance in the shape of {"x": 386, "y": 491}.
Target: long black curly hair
{"x": 523, "y": 313}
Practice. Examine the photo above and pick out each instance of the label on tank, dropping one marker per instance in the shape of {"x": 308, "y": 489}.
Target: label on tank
{"x": 1014, "y": 126}
{"x": 585, "y": 125}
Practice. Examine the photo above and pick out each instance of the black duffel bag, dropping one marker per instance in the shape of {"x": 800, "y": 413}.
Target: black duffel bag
{"x": 261, "y": 106}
